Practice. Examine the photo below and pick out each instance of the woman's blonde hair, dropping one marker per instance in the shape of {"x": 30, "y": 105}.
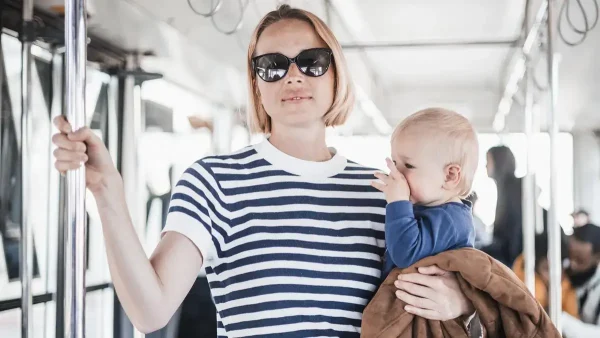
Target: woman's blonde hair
{"x": 343, "y": 100}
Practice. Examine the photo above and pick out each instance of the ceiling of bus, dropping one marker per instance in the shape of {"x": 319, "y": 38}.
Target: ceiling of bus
{"x": 191, "y": 51}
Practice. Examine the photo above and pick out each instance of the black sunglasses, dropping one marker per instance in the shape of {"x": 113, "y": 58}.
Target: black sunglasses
{"x": 273, "y": 67}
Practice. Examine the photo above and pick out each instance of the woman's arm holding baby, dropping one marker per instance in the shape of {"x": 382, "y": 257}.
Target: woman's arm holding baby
{"x": 434, "y": 294}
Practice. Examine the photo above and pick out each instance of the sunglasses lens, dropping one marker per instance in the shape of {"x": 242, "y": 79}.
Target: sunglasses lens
{"x": 314, "y": 62}
{"x": 271, "y": 67}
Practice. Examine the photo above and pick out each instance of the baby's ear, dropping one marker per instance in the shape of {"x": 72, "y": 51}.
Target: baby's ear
{"x": 453, "y": 176}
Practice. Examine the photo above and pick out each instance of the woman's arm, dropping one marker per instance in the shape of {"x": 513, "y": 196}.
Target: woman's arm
{"x": 150, "y": 290}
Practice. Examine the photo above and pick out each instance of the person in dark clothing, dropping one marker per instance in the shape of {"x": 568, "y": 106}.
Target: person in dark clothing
{"x": 584, "y": 273}
{"x": 507, "y": 242}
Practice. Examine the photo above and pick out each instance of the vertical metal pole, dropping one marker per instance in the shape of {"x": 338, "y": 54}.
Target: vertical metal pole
{"x": 131, "y": 166}
{"x": 529, "y": 187}
{"x": 113, "y": 123}
{"x": 55, "y": 239}
{"x": 75, "y": 56}
{"x": 26, "y": 231}
{"x": 130, "y": 162}
{"x": 539, "y": 211}
{"x": 57, "y": 109}
{"x": 554, "y": 233}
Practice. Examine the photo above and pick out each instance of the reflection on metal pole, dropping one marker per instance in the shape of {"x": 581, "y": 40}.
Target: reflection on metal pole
{"x": 56, "y": 110}
{"x": 76, "y": 55}
{"x": 529, "y": 204}
{"x": 26, "y": 231}
{"x": 554, "y": 233}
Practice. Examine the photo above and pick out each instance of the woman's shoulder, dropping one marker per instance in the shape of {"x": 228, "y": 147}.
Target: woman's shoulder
{"x": 232, "y": 163}
{"x": 244, "y": 158}
{"x": 237, "y": 155}
{"x": 211, "y": 170}
{"x": 356, "y": 166}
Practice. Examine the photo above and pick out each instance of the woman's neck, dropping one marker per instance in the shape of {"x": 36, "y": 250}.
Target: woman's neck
{"x": 302, "y": 143}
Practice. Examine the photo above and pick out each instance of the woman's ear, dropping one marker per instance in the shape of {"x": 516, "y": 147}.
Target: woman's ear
{"x": 453, "y": 176}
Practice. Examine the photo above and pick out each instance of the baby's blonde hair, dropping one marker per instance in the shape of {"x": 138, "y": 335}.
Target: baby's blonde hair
{"x": 455, "y": 137}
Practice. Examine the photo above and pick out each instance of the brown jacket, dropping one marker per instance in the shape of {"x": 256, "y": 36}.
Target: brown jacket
{"x": 504, "y": 305}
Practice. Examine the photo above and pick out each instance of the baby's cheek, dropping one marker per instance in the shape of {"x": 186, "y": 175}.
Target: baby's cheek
{"x": 412, "y": 185}
{"x": 422, "y": 189}
{"x": 416, "y": 191}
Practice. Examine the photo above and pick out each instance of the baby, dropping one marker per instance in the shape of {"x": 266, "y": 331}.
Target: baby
{"x": 435, "y": 154}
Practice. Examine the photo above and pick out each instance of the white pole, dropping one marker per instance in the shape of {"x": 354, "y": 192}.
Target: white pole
{"x": 554, "y": 249}
{"x": 75, "y": 251}
{"x": 26, "y": 252}
{"x": 529, "y": 203}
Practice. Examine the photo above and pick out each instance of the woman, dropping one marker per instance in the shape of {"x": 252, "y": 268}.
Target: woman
{"x": 507, "y": 242}
{"x": 289, "y": 231}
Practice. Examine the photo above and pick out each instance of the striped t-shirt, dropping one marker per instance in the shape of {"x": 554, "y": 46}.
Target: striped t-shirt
{"x": 292, "y": 248}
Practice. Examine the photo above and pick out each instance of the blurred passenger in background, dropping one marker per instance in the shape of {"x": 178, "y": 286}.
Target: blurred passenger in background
{"x": 584, "y": 255}
{"x": 542, "y": 275}
{"x": 507, "y": 239}
{"x": 580, "y": 218}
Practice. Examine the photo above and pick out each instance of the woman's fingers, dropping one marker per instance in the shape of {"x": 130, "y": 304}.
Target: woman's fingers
{"x": 64, "y": 155}
{"x": 427, "y": 314}
{"x": 432, "y": 270}
{"x": 417, "y": 302}
{"x": 64, "y": 166}
{"x": 62, "y": 125}
{"x": 414, "y": 289}
{"x": 417, "y": 278}
{"x": 69, "y": 154}
{"x": 84, "y": 134}
{"x": 441, "y": 294}
{"x": 62, "y": 141}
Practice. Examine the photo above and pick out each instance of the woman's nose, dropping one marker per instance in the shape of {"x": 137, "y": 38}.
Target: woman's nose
{"x": 294, "y": 74}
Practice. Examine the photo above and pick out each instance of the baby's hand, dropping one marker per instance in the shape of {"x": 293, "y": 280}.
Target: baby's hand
{"x": 394, "y": 185}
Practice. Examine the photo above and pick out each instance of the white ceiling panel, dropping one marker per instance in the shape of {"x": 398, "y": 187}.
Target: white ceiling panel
{"x": 473, "y": 66}
{"x": 436, "y": 20}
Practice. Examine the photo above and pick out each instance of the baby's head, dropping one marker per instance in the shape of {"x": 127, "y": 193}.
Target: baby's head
{"x": 437, "y": 151}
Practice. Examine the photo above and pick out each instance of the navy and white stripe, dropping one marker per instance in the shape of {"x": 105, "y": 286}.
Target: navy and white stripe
{"x": 291, "y": 248}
